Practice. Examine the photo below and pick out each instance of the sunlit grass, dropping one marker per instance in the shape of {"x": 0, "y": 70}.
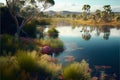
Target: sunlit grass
{"x": 55, "y": 21}
{"x": 26, "y": 65}
{"x": 54, "y": 43}
{"x": 8, "y": 68}
{"x": 77, "y": 71}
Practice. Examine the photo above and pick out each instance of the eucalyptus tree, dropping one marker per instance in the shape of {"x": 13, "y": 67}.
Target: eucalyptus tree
{"x": 74, "y": 16}
{"x": 108, "y": 14}
{"x": 68, "y": 15}
{"x": 107, "y": 8}
{"x": 97, "y": 14}
{"x": 86, "y": 10}
{"x": 104, "y": 16}
{"x": 26, "y": 9}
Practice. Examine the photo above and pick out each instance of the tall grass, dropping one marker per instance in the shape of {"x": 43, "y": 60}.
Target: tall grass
{"x": 9, "y": 44}
{"x": 77, "y": 71}
{"x": 54, "y": 43}
{"x": 26, "y": 62}
{"x": 8, "y": 68}
{"x": 27, "y": 65}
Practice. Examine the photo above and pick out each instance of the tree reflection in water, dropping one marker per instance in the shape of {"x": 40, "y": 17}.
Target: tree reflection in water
{"x": 106, "y": 31}
{"x": 87, "y": 30}
{"x": 86, "y": 33}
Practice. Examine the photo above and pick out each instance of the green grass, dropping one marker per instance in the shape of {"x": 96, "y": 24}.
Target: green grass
{"x": 26, "y": 65}
{"x": 77, "y": 71}
{"x": 54, "y": 43}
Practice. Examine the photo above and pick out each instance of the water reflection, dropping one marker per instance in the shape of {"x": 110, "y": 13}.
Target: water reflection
{"x": 86, "y": 33}
{"x": 89, "y": 29}
{"x": 101, "y": 54}
{"x": 106, "y": 31}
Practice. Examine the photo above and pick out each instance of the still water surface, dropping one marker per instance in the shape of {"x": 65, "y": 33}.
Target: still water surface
{"x": 99, "y": 46}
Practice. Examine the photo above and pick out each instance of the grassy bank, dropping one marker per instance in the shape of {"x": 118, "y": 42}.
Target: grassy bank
{"x": 71, "y": 21}
{"x": 93, "y": 22}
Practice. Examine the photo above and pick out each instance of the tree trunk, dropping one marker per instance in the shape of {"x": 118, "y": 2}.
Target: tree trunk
{"x": 17, "y": 35}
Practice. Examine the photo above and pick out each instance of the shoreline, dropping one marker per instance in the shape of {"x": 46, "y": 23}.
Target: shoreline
{"x": 84, "y": 22}
{"x": 96, "y": 23}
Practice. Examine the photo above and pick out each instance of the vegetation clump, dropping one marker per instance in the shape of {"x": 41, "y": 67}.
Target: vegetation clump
{"x": 53, "y": 33}
{"x": 27, "y": 66}
{"x": 77, "y": 71}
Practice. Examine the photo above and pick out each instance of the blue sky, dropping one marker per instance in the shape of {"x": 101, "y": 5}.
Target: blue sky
{"x": 76, "y": 5}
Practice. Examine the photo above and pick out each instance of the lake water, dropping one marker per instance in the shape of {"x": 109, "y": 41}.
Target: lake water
{"x": 100, "y": 46}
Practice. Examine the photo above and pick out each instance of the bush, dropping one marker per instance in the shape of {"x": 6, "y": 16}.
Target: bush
{"x": 27, "y": 65}
{"x": 56, "y": 45}
{"x": 26, "y": 62}
{"x": 9, "y": 45}
{"x": 77, "y": 71}
{"x": 8, "y": 68}
{"x": 29, "y": 30}
{"x": 53, "y": 33}
{"x": 34, "y": 65}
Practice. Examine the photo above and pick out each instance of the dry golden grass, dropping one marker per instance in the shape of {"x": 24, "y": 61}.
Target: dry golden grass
{"x": 93, "y": 22}
{"x": 85, "y": 22}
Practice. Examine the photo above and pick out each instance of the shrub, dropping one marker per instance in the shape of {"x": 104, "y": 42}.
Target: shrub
{"x": 10, "y": 45}
{"x": 27, "y": 65}
{"x": 7, "y": 45}
{"x": 53, "y": 33}
{"x": 8, "y": 68}
{"x": 27, "y": 44}
{"x": 55, "y": 45}
{"x": 77, "y": 71}
{"x": 35, "y": 65}
{"x": 26, "y": 62}
{"x": 43, "y": 21}
{"x": 29, "y": 30}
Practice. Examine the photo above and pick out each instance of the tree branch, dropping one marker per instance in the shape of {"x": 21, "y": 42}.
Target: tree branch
{"x": 14, "y": 16}
{"x": 26, "y": 20}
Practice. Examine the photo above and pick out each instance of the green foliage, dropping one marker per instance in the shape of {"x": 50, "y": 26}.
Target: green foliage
{"x": 107, "y": 8}
{"x": 54, "y": 43}
{"x": 26, "y": 62}
{"x": 117, "y": 18}
{"x": 53, "y": 33}
{"x": 31, "y": 8}
{"x": 27, "y": 66}
{"x": 43, "y": 21}
{"x": 30, "y": 29}
{"x": 26, "y": 9}
{"x": 77, "y": 71}
{"x": 9, "y": 45}
{"x": 8, "y": 68}
{"x": 86, "y": 11}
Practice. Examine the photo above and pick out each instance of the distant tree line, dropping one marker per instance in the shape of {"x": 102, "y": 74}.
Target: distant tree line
{"x": 107, "y": 15}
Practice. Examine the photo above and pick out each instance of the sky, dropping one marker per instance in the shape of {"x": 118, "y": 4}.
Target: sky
{"x": 76, "y": 5}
